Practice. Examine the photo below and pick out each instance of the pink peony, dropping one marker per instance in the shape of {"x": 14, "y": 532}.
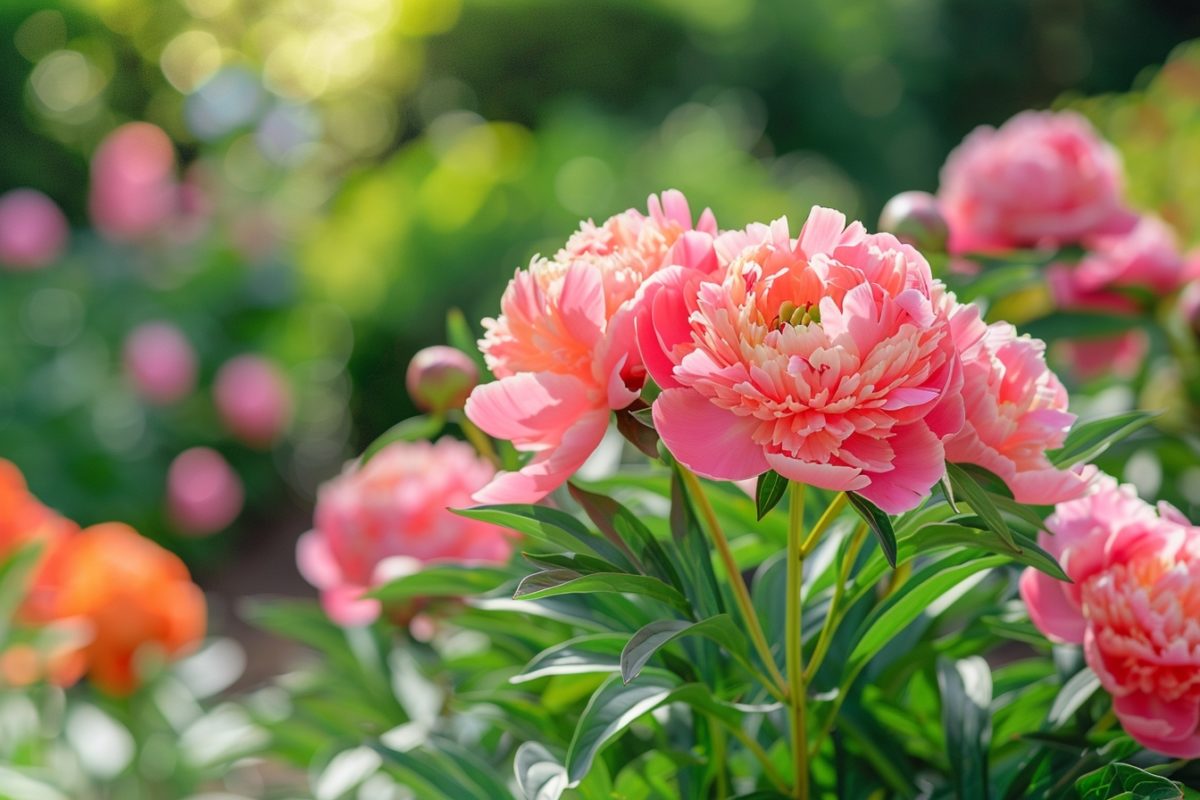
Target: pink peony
{"x": 563, "y": 348}
{"x": 33, "y": 231}
{"x": 253, "y": 399}
{"x": 204, "y": 494}
{"x": 160, "y": 362}
{"x": 1016, "y": 410}
{"x": 376, "y": 521}
{"x": 440, "y": 378}
{"x": 1134, "y": 605}
{"x": 1041, "y": 179}
{"x": 133, "y": 189}
{"x": 1146, "y": 255}
{"x": 824, "y": 358}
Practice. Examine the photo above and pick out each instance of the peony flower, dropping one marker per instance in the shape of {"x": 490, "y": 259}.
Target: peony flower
{"x": 1016, "y": 410}
{"x": 1134, "y": 605}
{"x": 253, "y": 399}
{"x": 440, "y": 378}
{"x": 160, "y": 362}
{"x": 33, "y": 231}
{"x": 563, "y": 347}
{"x": 23, "y": 521}
{"x": 381, "y": 519}
{"x": 1042, "y": 179}
{"x": 824, "y": 358}
{"x": 204, "y": 494}
{"x": 133, "y": 189}
{"x": 133, "y": 595}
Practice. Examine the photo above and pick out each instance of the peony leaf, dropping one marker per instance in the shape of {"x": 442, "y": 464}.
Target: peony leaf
{"x": 1074, "y": 693}
{"x": 442, "y": 580}
{"x": 412, "y": 429}
{"x": 647, "y": 641}
{"x": 581, "y": 655}
{"x": 945, "y": 534}
{"x": 1126, "y": 781}
{"x": 967, "y": 489}
{"x": 540, "y": 776}
{"x": 966, "y": 690}
{"x": 1087, "y": 440}
{"x": 879, "y": 523}
{"x": 552, "y": 582}
{"x": 628, "y": 533}
{"x": 550, "y": 525}
{"x": 612, "y": 709}
{"x": 769, "y": 491}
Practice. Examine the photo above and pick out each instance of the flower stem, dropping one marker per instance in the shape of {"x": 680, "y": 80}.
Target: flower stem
{"x": 831, "y": 512}
{"x": 478, "y": 439}
{"x": 794, "y": 644}
{"x": 835, "y": 613}
{"x": 741, "y": 593}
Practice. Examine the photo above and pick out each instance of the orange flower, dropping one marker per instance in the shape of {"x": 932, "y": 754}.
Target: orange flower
{"x": 133, "y": 594}
{"x": 24, "y": 520}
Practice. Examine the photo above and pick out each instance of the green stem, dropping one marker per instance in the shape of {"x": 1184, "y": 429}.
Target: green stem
{"x": 794, "y": 644}
{"x": 834, "y": 616}
{"x": 831, "y": 512}
{"x": 757, "y": 750}
{"x": 741, "y": 593}
{"x": 478, "y": 439}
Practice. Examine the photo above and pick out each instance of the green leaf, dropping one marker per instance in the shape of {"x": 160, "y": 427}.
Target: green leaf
{"x": 966, "y": 690}
{"x": 441, "y": 580}
{"x": 943, "y": 534}
{"x": 1089, "y": 439}
{"x": 967, "y": 489}
{"x": 580, "y": 562}
{"x": 627, "y": 532}
{"x": 16, "y": 571}
{"x": 647, "y": 641}
{"x": 879, "y": 523}
{"x": 612, "y": 709}
{"x": 412, "y": 429}
{"x": 460, "y": 336}
{"x": 552, "y": 526}
{"x": 540, "y": 776}
{"x": 638, "y": 430}
{"x": 769, "y": 491}
{"x": 1074, "y": 693}
{"x": 1126, "y": 781}
{"x": 914, "y": 597}
{"x": 1079, "y": 325}
{"x": 552, "y": 582}
{"x": 581, "y": 655}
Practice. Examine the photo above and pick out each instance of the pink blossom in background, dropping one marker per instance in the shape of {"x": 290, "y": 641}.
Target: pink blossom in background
{"x": 33, "y": 231}
{"x": 1134, "y": 605}
{"x": 1016, "y": 410}
{"x": 1119, "y": 356}
{"x": 386, "y": 518}
{"x": 253, "y": 399}
{"x": 1043, "y": 179}
{"x": 823, "y": 357}
{"x": 160, "y": 362}
{"x": 441, "y": 378}
{"x": 1189, "y": 306}
{"x": 563, "y": 347}
{"x": 133, "y": 190}
{"x": 204, "y": 494}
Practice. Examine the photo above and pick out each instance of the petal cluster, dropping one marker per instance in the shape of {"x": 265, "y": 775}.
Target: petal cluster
{"x": 384, "y": 518}
{"x": 824, "y": 357}
{"x": 1134, "y": 605}
{"x": 563, "y": 347}
{"x": 1041, "y": 179}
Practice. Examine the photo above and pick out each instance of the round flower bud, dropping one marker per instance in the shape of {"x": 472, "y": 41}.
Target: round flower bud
{"x": 160, "y": 362}
{"x": 915, "y": 218}
{"x": 204, "y": 494}
{"x": 33, "y": 232}
{"x": 254, "y": 399}
{"x": 440, "y": 378}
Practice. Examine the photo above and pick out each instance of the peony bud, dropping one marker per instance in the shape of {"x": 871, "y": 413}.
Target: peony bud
{"x": 33, "y": 231}
{"x": 440, "y": 378}
{"x": 160, "y": 362}
{"x": 915, "y": 218}
{"x": 133, "y": 189}
{"x": 253, "y": 399}
{"x": 204, "y": 494}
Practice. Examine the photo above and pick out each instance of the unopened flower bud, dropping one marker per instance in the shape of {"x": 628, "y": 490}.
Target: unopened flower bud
{"x": 33, "y": 232}
{"x": 440, "y": 378}
{"x": 915, "y": 218}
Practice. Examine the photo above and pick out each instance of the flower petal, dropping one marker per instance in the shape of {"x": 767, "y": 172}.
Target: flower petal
{"x": 551, "y": 467}
{"x": 708, "y": 439}
{"x": 1051, "y": 610}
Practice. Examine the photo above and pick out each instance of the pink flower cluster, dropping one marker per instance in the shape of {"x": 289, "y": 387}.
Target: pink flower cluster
{"x": 384, "y": 519}
{"x": 831, "y": 357}
{"x": 1134, "y": 605}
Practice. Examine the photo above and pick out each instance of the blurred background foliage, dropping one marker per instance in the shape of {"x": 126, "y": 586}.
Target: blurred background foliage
{"x": 368, "y": 164}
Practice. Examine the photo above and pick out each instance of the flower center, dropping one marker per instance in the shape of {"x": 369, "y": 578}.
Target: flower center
{"x": 795, "y": 316}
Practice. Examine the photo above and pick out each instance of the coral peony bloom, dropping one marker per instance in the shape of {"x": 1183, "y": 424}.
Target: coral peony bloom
{"x": 160, "y": 362}
{"x": 1133, "y": 604}
{"x": 23, "y": 521}
{"x": 824, "y": 358}
{"x": 1042, "y": 179}
{"x": 1016, "y": 410}
{"x": 33, "y": 231}
{"x": 375, "y": 521}
{"x": 134, "y": 595}
{"x": 133, "y": 191}
{"x": 204, "y": 494}
{"x": 563, "y": 347}
{"x": 253, "y": 399}
{"x": 440, "y": 378}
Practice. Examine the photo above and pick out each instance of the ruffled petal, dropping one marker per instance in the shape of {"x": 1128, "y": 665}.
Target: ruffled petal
{"x": 707, "y": 439}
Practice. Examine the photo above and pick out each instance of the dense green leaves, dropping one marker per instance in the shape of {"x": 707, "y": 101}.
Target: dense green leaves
{"x": 1126, "y": 782}
{"x": 552, "y": 526}
{"x": 442, "y": 580}
{"x": 612, "y": 709}
{"x": 879, "y": 523}
{"x": 966, "y": 691}
{"x": 1087, "y": 440}
{"x": 540, "y": 776}
{"x": 967, "y": 489}
{"x": 647, "y": 641}
{"x": 551, "y": 582}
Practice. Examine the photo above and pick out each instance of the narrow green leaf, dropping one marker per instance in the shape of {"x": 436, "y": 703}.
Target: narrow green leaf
{"x": 581, "y": 655}
{"x": 967, "y": 489}
{"x": 540, "y": 776}
{"x": 410, "y": 430}
{"x": 460, "y": 336}
{"x": 550, "y": 525}
{"x": 1074, "y": 693}
{"x": 612, "y": 709}
{"x": 945, "y": 534}
{"x": 552, "y": 582}
{"x": 879, "y": 523}
{"x": 647, "y": 641}
{"x": 628, "y": 532}
{"x": 1079, "y": 325}
{"x": 1089, "y": 439}
{"x": 442, "y": 580}
{"x": 638, "y": 432}
{"x": 580, "y": 562}
{"x": 769, "y": 491}
{"x": 966, "y": 690}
